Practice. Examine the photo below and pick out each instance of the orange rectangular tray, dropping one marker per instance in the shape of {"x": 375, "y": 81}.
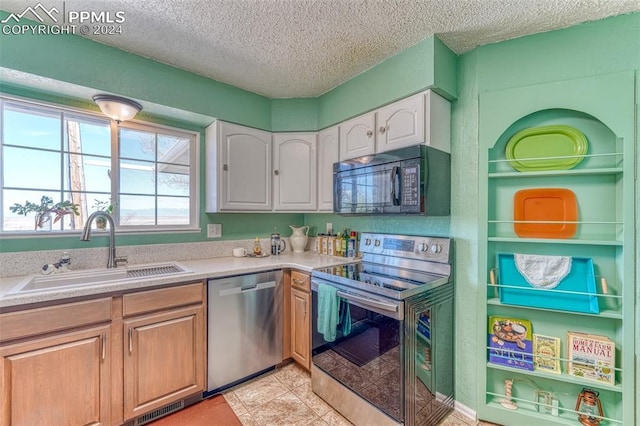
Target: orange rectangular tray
{"x": 554, "y": 205}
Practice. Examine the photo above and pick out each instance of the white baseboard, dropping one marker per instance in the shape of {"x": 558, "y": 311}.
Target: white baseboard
{"x": 466, "y": 411}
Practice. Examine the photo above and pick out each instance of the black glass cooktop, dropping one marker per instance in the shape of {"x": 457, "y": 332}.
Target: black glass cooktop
{"x": 387, "y": 280}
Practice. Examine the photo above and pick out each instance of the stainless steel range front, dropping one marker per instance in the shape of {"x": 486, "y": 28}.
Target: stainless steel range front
{"x": 382, "y": 333}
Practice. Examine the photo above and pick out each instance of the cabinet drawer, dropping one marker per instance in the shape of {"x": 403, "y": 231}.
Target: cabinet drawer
{"x": 32, "y": 322}
{"x": 164, "y": 298}
{"x": 301, "y": 281}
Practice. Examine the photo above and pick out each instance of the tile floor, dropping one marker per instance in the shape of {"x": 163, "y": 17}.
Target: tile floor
{"x": 284, "y": 397}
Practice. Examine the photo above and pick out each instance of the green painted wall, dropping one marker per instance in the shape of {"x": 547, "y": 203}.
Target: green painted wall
{"x": 408, "y": 72}
{"x": 83, "y": 62}
{"x": 294, "y": 114}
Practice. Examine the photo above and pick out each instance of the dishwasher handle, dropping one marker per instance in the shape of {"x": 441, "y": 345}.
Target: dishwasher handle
{"x": 247, "y": 288}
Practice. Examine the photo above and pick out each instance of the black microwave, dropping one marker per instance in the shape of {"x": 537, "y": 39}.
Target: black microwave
{"x": 413, "y": 180}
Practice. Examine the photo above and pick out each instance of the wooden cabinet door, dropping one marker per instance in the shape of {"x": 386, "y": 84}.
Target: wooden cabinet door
{"x": 164, "y": 359}
{"x": 294, "y": 168}
{"x": 328, "y": 153}
{"x": 58, "y": 380}
{"x": 400, "y": 124}
{"x": 238, "y": 168}
{"x": 357, "y": 137}
{"x": 301, "y": 327}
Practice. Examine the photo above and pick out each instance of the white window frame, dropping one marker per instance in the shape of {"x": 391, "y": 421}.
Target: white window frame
{"x": 194, "y": 167}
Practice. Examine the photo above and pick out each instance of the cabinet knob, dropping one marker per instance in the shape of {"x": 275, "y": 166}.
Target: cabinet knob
{"x": 275, "y": 172}
{"x": 383, "y": 129}
{"x": 225, "y": 167}
{"x": 369, "y": 133}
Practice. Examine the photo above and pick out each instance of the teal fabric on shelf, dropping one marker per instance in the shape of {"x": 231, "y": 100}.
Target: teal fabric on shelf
{"x": 328, "y": 304}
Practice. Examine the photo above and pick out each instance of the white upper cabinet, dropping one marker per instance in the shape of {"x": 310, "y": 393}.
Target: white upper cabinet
{"x": 328, "y": 153}
{"x": 357, "y": 136}
{"x": 400, "y": 124}
{"x": 238, "y": 161}
{"x": 294, "y": 171}
{"x": 424, "y": 118}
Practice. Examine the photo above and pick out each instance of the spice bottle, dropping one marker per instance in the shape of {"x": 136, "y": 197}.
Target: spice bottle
{"x": 257, "y": 249}
{"x": 331, "y": 244}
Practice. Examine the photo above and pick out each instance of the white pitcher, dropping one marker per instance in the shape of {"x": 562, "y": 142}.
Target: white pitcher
{"x": 298, "y": 239}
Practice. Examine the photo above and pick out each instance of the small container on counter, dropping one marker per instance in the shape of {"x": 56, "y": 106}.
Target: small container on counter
{"x": 331, "y": 245}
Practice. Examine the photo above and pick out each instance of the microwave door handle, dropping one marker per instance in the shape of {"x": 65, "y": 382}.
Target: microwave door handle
{"x": 396, "y": 188}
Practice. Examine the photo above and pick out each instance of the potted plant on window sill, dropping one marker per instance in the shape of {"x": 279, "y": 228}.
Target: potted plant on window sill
{"x": 105, "y": 206}
{"x": 45, "y": 210}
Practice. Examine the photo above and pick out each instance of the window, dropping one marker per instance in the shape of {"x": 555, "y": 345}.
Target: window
{"x": 144, "y": 175}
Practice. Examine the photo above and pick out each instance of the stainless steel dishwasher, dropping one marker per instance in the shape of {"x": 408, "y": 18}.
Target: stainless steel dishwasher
{"x": 244, "y": 327}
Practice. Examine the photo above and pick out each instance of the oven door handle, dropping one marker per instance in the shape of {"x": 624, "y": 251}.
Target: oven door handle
{"x": 368, "y": 302}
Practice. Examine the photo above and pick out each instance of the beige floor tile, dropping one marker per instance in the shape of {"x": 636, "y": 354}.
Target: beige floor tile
{"x": 247, "y": 420}
{"x": 332, "y": 418}
{"x": 260, "y": 391}
{"x": 292, "y": 376}
{"x": 457, "y": 419}
{"x": 312, "y": 400}
{"x": 234, "y": 402}
{"x": 284, "y": 410}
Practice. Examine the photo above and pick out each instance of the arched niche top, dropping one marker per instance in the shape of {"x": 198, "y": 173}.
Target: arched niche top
{"x": 608, "y": 99}
{"x": 602, "y": 142}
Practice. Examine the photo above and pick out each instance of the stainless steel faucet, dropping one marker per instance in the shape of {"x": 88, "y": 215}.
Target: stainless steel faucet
{"x": 86, "y": 235}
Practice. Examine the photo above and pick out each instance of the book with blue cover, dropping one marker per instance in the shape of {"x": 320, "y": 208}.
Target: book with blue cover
{"x": 510, "y": 342}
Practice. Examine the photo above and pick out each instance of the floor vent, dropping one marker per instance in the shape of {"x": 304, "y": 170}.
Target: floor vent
{"x": 160, "y": 412}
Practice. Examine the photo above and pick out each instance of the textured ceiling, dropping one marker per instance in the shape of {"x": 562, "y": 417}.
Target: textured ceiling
{"x": 303, "y": 48}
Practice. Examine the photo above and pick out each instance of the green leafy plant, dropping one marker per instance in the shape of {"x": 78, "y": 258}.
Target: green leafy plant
{"x": 45, "y": 209}
{"x": 105, "y": 206}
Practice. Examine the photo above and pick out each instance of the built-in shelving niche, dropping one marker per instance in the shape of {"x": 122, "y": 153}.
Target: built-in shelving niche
{"x": 603, "y": 185}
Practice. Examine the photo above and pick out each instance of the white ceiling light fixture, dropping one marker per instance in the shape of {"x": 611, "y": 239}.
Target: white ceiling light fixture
{"x": 116, "y": 107}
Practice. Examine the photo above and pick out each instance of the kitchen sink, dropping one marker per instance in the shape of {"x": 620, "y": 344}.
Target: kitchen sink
{"x": 91, "y": 277}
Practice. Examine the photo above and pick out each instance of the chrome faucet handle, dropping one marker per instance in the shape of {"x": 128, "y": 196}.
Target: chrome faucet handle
{"x": 120, "y": 259}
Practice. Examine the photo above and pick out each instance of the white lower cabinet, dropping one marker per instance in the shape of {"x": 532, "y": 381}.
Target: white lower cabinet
{"x": 294, "y": 171}
{"x": 328, "y": 153}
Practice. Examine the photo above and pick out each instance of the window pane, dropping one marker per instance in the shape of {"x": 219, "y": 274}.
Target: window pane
{"x": 172, "y": 149}
{"x": 137, "y": 210}
{"x": 173, "y": 180}
{"x": 31, "y": 127}
{"x": 17, "y": 222}
{"x": 137, "y": 144}
{"x": 30, "y": 168}
{"x": 87, "y": 173}
{"x": 137, "y": 177}
{"x": 173, "y": 211}
{"x": 87, "y": 136}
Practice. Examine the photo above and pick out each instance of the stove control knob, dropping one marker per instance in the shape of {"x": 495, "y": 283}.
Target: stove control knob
{"x": 367, "y": 242}
{"x": 377, "y": 243}
{"x": 423, "y": 247}
{"x": 436, "y": 248}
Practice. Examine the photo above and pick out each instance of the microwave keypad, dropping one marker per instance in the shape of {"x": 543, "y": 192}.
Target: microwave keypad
{"x": 410, "y": 186}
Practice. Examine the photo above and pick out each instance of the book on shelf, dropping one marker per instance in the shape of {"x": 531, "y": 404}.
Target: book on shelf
{"x": 510, "y": 342}
{"x": 591, "y": 357}
{"x": 546, "y": 353}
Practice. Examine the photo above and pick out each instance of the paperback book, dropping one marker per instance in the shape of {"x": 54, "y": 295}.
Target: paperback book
{"x": 510, "y": 342}
{"x": 591, "y": 357}
{"x": 546, "y": 353}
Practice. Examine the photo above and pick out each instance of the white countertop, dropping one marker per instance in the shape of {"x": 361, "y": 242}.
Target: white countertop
{"x": 201, "y": 270}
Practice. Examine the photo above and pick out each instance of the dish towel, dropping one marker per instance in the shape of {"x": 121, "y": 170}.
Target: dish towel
{"x": 328, "y": 304}
{"x": 345, "y": 317}
{"x": 543, "y": 271}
